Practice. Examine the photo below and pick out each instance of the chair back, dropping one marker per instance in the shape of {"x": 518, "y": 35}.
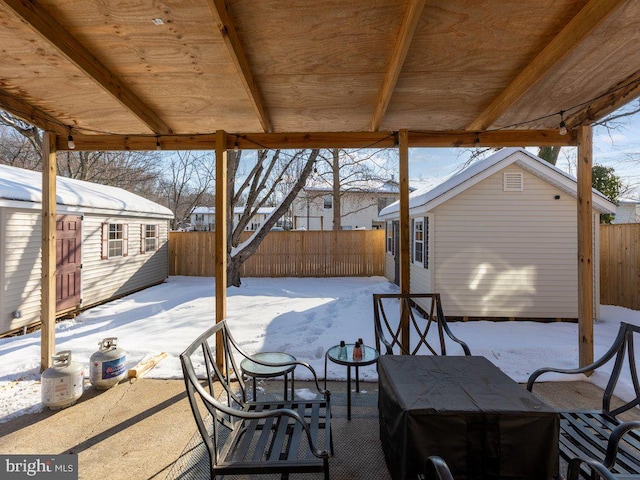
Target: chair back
{"x": 624, "y": 352}
{"x": 411, "y": 324}
{"x": 200, "y": 372}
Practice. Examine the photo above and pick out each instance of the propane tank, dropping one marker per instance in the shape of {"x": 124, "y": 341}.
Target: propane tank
{"x": 63, "y": 382}
{"x": 107, "y": 365}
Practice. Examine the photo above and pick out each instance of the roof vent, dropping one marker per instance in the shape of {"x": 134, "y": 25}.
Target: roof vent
{"x": 512, "y": 182}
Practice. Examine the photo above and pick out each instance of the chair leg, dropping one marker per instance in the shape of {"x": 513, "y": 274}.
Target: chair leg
{"x": 326, "y": 469}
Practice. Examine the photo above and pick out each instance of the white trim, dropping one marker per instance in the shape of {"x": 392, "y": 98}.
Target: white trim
{"x": 417, "y": 221}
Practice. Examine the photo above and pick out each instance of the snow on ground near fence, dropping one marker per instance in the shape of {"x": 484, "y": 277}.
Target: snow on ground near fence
{"x": 302, "y": 316}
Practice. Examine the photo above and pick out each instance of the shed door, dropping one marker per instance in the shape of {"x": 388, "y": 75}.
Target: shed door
{"x": 68, "y": 261}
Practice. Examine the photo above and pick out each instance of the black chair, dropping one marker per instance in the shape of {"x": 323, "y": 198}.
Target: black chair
{"x": 252, "y": 437}
{"x": 435, "y": 468}
{"x": 599, "y": 435}
{"x": 391, "y": 310}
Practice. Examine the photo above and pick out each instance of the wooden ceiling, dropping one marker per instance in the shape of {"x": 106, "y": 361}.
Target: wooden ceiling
{"x": 296, "y": 73}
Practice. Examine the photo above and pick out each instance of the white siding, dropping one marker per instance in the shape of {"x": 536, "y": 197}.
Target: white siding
{"x": 21, "y": 268}
{"x": 20, "y": 261}
{"x": 103, "y": 279}
{"x": 507, "y": 254}
{"x": 389, "y": 267}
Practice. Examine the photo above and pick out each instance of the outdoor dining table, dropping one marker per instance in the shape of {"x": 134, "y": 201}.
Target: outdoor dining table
{"x": 465, "y": 410}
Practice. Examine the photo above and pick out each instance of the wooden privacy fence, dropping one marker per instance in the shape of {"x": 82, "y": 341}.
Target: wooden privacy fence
{"x": 356, "y": 253}
{"x": 620, "y": 265}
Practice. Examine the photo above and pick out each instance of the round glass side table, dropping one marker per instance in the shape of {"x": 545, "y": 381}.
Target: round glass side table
{"x": 256, "y": 370}
{"x": 369, "y": 356}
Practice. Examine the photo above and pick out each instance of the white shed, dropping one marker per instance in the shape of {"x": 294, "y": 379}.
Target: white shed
{"x": 109, "y": 242}
{"x": 498, "y": 240}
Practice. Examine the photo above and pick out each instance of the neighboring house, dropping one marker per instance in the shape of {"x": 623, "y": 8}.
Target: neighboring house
{"x": 627, "y": 211}
{"x": 109, "y": 243}
{"x": 361, "y": 204}
{"x": 498, "y": 240}
{"x": 203, "y": 218}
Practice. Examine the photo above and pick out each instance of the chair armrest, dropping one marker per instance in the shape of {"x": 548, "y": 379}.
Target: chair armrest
{"x": 279, "y": 412}
{"x": 614, "y": 440}
{"x": 464, "y": 346}
{"x": 618, "y": 343}
{"x": 573, "y": 470}
{"x": 435, "y": 468}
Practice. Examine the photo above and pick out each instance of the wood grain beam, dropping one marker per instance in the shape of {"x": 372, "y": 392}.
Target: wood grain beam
{"x": 48, "y": 267}
{"x": 30, "y": 114}
{"x": 621, "y": 94}
{"x": 257, "y": 141}
{"x": 221, "y": 240}
{"x": 585, "y": 246}
{"x": 407, "y": 29}
{"x": 232, "y": 41}
{"x": 587, "y": 19}
{"x": 53, "y": 32}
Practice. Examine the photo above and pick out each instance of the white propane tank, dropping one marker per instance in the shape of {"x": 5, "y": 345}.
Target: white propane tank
{"x": 63, "y": 382}
{"x": 107, "y": 365}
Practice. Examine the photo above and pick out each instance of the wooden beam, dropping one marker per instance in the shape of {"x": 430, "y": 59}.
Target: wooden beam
{"x": 585, "y": 246}
{"x": 572, "y": 35}
{"x": 221, "y": 238}
{"x": 48, "y": 268}
{"x": 30, "y": 114}
{"x": 232, "y": 41}
{"x": 621, "y": 94}
{"x": 405, "y": 234}
{"x": 408, "y": 27}
{"x": 257, "y": 141}
{"x": 45, "y": 25}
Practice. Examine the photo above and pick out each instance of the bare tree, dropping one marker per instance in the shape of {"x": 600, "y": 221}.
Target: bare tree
{"x": 186, "y": 181}
{"x": 262, "y": 185}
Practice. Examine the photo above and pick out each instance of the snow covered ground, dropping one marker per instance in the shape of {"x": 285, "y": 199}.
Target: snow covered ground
{"x": 302, "y": 316}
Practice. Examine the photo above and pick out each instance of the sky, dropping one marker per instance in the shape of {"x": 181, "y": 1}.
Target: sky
{"x": 301, "y": 316}
{"x": 618, "y": 148}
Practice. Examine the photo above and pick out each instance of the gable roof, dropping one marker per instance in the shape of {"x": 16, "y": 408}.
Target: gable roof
{"x": 422, "y": 201}
{"x": 362, "y": 186}
{"x": 22, "y": 188}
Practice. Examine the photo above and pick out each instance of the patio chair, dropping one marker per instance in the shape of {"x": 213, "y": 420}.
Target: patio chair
{"x": 435, "y": 468}
{"x": 252, "y": 437}
{"x": 388, "y": 310}
{"x": 599, "y": 434}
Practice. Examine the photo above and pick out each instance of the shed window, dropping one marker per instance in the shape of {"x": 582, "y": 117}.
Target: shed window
{"x": 418, "y": 241}
{"x": 327, "y": 202}
{"x": 150, "y": 239}
{"x": 390, "y": 237}
{"x": 512, "y": 182}
{"x": 114, "y": 240}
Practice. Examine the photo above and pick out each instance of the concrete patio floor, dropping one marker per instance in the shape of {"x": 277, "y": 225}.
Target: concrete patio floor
{"x": 137, "y": 430}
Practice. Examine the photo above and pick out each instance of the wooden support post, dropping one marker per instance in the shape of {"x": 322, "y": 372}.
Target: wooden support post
{"x": 221, "y": 237}
{"x": 48, "y": 273}
{"x": 585, "y": 246}
{"x": 405, "y": 261}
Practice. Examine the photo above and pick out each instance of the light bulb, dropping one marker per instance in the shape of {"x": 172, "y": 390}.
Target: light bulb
{"x": 158, "y": 147}
{"x": 563, "y": 128}
{"x": 70, "y": 143}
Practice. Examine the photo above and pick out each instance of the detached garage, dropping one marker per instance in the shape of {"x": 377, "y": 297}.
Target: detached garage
{"x": 498, "y": 240}
{"x": 109, "y": 242}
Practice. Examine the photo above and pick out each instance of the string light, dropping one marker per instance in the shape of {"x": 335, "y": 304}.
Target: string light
{"x": 70, "y": 143}
{"x": 563, "y": 126}
{"x": 477, "y": 140}
{"x": 158, "y": 147}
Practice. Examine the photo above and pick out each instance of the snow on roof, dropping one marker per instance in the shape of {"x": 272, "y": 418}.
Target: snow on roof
{"x": 474, "y": 173}
{"x": 21, "y": 185}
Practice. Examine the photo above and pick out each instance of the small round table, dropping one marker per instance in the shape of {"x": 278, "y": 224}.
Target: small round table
{"x": 255, "y": 370}
{"x": 369, "y": 356}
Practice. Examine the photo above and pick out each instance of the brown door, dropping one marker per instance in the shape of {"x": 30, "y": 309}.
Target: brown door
{"x": 68, "y": 261}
